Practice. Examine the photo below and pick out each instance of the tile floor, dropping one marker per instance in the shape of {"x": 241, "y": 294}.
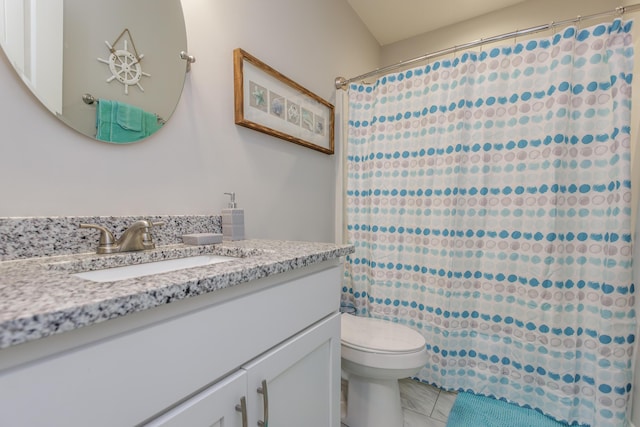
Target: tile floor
{"x": 424, "y": 405}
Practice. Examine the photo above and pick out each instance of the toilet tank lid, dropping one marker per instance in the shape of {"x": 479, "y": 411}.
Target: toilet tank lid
{"x": 379, "y": 335}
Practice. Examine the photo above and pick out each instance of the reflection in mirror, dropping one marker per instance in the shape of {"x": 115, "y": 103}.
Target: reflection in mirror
{"x": 111, "y": 69}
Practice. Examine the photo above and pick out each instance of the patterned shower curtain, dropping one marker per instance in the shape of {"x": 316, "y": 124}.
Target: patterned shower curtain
{"x": 488, "y": 197}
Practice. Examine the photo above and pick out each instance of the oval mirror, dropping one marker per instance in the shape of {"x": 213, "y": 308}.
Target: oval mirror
{"x": 111, "y": 69}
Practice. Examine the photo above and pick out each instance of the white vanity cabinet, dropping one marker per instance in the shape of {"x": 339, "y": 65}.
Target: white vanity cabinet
{"x": 213, "y": 407}
{"x": 190, "y": 362}
{"x": 291, "y": 385}
{"x": 298, "y": 383}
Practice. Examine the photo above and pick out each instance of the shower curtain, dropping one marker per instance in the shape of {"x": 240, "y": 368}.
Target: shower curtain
{"x": 488, "y": 198}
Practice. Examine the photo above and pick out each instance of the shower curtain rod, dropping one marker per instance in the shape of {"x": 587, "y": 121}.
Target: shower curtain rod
{"x": 342, "y": 83}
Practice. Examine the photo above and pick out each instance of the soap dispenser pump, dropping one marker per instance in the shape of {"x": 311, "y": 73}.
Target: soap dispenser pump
{"x": 232, "y": 220}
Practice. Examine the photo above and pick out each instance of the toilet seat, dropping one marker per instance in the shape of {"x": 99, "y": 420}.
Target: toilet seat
{"x": 368, "y": 334}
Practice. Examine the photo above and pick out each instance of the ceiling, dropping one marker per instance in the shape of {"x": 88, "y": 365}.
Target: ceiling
{"x": 393, "y": 20}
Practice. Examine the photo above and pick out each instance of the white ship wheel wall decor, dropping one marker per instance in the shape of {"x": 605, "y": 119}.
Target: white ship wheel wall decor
{"x": 124, "y": 65}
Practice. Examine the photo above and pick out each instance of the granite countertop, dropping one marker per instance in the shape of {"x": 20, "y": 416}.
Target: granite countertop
{"x": 39, "y": 297}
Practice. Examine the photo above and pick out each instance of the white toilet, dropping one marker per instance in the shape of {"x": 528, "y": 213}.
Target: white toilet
{"x": 375, "y": 355}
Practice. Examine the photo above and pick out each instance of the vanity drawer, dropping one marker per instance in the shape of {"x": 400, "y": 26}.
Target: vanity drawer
{"x": 127, "y": 378}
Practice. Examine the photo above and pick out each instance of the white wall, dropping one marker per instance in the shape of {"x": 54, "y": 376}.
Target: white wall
{"x": 287, "y": 191}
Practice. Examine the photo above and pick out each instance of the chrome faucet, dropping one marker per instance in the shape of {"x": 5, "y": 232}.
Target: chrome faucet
{"x": 135, "y": 238}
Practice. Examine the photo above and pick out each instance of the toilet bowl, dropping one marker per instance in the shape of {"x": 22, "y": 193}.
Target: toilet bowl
{"x": 375, "y": 354}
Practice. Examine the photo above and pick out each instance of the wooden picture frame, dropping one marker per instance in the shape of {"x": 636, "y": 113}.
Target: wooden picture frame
{"x": 271, "y": 103}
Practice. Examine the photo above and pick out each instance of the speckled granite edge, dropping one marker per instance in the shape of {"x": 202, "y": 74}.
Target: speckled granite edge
{"x": 91, "y": 261}
{"x": 28, "y": 237}
{"x": 39, "y": 298}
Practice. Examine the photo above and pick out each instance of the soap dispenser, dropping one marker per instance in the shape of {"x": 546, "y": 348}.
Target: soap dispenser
{"x": 232, "y": 220}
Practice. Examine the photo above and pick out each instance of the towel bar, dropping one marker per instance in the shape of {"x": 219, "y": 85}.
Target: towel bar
{"x": 90, "y": 99}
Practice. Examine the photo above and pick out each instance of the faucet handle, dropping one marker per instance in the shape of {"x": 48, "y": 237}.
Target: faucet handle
{"x": 147, "y": 237}
{"x": 107, "y": 241}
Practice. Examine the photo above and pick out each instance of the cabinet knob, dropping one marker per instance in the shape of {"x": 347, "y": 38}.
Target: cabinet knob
{"x": 265, "y": 403}
{"x": 242, "y": 408}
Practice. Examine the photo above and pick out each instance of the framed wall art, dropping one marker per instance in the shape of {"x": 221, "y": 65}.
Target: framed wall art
{"x": 270, "y": 102}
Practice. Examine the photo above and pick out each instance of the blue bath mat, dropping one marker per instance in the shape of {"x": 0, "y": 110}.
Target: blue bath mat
{"x": 481, "y": 411}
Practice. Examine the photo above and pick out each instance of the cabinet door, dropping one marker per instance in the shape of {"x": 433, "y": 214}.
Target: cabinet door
{"x": 298, "y": 383}
{"x": 213, "y": 407}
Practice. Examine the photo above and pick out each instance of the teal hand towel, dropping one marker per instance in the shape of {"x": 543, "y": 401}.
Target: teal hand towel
{"x": 151, "y": 123}
{"x": 103, "y": 119}
{"x": 129, "y": 117}
{"x": 122, "y": 123}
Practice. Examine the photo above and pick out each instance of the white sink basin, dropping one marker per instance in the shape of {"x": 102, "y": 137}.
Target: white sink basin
{"x": 139, "y": 270}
